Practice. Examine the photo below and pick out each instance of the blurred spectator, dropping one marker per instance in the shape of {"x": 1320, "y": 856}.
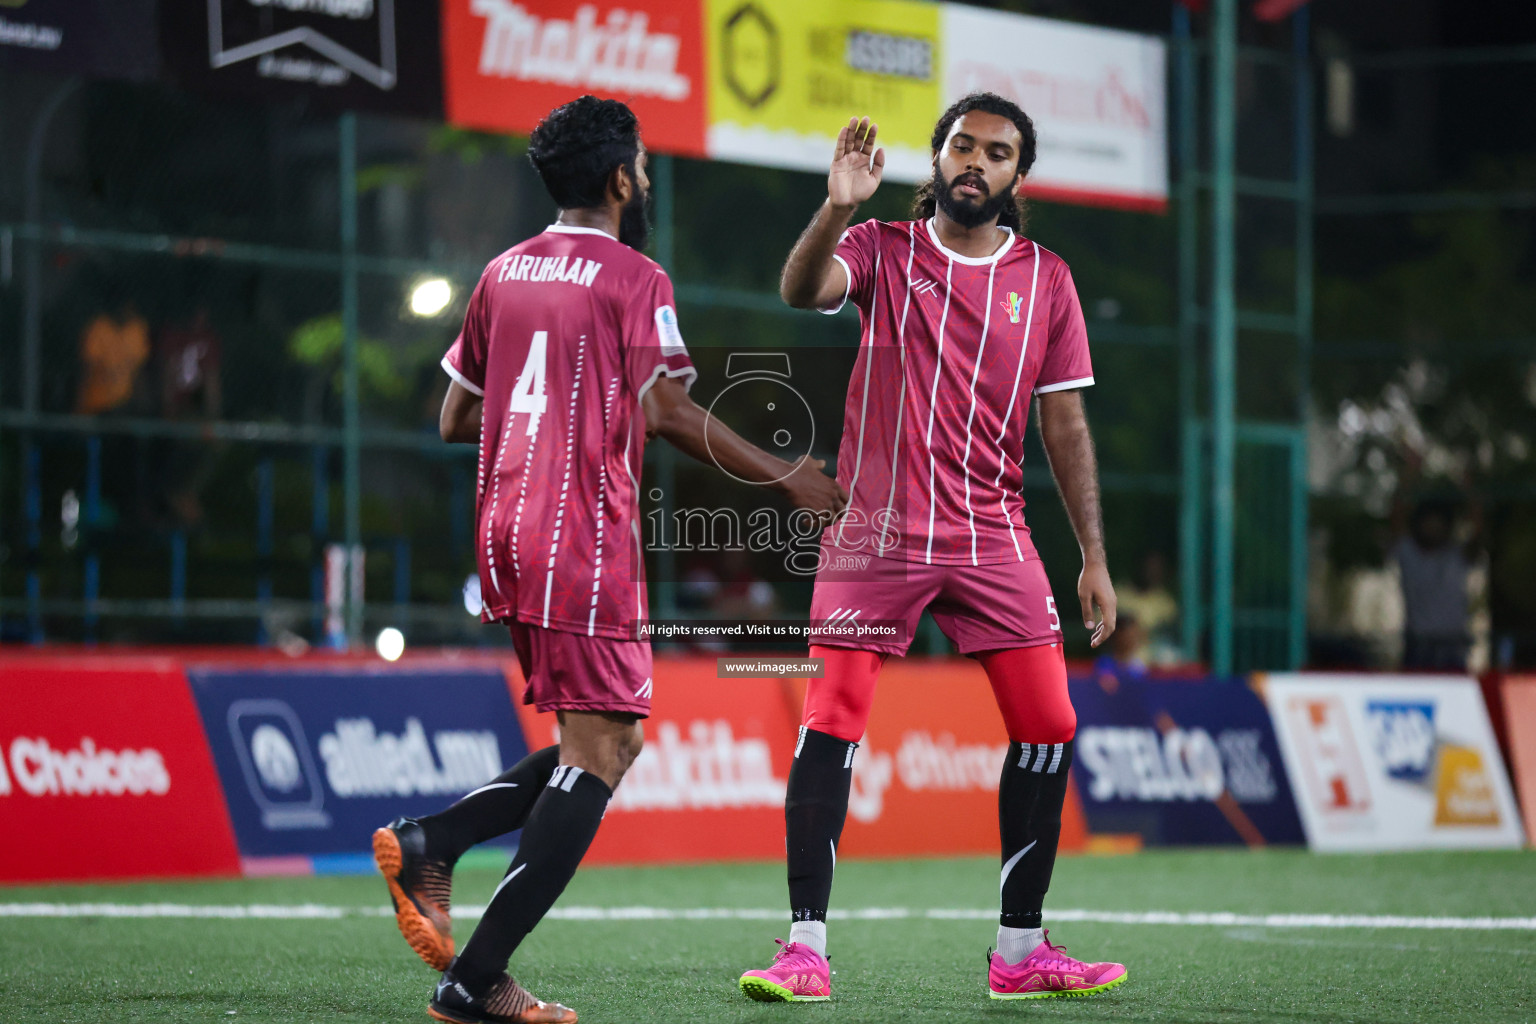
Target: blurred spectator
{"x": 113, "y": 350}
{"x": 189, "y": 356}
{"x": 1434, "y": 570}
{"x": 1153, "y": 610}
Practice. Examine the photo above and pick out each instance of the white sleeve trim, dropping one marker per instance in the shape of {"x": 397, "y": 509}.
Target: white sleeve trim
{"x": 662, "y": 370}
{"x": 464, "y": 383}
{"x": 842, "y": 301}
{"x": 1064, "y": 385}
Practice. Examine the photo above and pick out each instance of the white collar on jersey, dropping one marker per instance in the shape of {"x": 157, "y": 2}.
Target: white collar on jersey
{"x": 572, "y": 229}
{"x": 975, "y": 261}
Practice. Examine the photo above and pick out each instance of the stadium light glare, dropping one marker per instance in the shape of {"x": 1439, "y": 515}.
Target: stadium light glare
{"x": 390, "y": 644}
{"x": 431, "y": 296}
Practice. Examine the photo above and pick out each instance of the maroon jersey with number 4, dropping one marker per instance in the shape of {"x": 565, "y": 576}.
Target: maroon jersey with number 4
{"x": 952, "y": 348}
{"x": 564, "y": 335}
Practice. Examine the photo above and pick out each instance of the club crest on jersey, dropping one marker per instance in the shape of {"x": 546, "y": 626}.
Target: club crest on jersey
{"x": 1013, "y": 304}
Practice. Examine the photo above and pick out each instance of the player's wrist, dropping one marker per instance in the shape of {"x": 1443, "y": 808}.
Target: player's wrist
{"x": 842, "y": 209}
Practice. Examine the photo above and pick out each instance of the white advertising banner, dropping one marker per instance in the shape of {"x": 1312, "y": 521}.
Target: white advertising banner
{"x": 1096, "y": 96}
{"x": 1392, "y": 762}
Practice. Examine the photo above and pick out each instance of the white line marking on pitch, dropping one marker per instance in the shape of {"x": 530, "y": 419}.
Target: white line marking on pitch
{"x": 315, "y": 911}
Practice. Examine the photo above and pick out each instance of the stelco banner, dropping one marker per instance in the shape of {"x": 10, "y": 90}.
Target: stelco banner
{"x": 771, "y": 83}
{"x": 1393, "y": 762}
{"x": 314, "y": 760}
{"x": 1180, "y": 762}
{"x": 104, "y": 774}
{"x": 367, "y": 54}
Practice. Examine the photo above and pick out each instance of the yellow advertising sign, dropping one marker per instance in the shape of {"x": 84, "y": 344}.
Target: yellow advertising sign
{"x": 1464, "y": 793}
{"x": 785, "y": 75}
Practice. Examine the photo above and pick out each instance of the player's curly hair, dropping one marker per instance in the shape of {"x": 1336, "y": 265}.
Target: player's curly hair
{"x": 1014, "y": 215}
{"x": 577, "y": 146}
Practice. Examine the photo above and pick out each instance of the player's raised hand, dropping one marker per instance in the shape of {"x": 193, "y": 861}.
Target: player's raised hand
{"x": 808, "y": 487}
{"x": 856, "y": 164}
{"x": 1094, "y": 588}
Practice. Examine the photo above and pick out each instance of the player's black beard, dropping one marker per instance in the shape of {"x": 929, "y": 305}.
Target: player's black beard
{"x": 968, "y": 213}
{"x": 635, "y": 221}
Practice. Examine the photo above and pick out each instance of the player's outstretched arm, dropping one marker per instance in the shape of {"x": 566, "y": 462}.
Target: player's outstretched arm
{"x": 1069, "y": 448}
{"x": 812, "y": 279}
{"x": 460, "y": 419}
{"x": 671, "y": 414}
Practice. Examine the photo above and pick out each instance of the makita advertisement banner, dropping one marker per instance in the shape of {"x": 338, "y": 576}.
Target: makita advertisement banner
{"x": 104, "y": 773}
{"x": 1180, "y": 762}
{"x": 313, "y": 760}
{"x": 509, "y": 62}
{"x": 379, "y": 55}
{"x": 1393, "y": 762}
{"x": 709, "y": 784}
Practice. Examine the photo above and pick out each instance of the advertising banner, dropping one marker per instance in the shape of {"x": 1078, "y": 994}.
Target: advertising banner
{"x": 1180, "y": 762}
{"x": 313, "y": 760}
{"x": 771, "y": 83}
{"x": 709, "y": 784}
{"x": 785, "y": 76}
{"x": 96, "y": 38}
{"x": 1094, "y": 94}
{"x": 104, "y": 774}
{"x": 1519, "y": 698}
{"x": 380, "y": 55}
{"x": 509, "y": 62}
{"x": 1392, "y": 762}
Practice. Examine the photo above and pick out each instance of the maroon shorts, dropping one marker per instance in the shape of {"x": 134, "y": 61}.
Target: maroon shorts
{"x": 571, "y": 672}
{"x": 979, "y": 607}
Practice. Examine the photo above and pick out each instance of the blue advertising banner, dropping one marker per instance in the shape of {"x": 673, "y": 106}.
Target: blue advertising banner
{"x": 1180, "y": 761}
{"x": 313, "y": 760}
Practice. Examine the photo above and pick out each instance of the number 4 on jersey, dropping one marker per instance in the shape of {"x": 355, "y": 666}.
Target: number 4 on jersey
{"x": 528, "y": 395}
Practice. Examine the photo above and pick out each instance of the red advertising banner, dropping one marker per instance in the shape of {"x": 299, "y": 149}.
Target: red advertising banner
{"x": 509, "y": 62}
{"x": 1520, "y": 720}
{"x": 105, "y": 772}
{"x": 709, "y": 784}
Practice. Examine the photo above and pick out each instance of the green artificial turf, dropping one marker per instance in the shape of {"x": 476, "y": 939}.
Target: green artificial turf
{"x": 358, "y": 969}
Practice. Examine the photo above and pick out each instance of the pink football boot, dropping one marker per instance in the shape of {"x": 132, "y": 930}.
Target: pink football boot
{"x": 798, "y": 974}
{"x": 1048, "y": 973}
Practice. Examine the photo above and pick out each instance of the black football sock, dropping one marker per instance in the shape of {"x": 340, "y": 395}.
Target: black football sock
{"x": 496, "y": 808}
{"x": 556, "y": 837}
{"x": 815, "y": 805}
{"x": 1029, "y": 801}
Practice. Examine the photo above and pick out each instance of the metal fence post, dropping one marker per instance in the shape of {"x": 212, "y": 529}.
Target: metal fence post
{"x": 1223, "y": 324}
{"x": 1191, "y": 492}
{"x": 1305, "y": 185}
{"x": 352, "y": 418}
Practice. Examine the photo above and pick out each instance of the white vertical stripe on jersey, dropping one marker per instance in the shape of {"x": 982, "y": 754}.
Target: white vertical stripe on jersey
{"x": 901, "y": 397}
{"x": 933, "y": 397}
{"x": 565, "y": 482}
{"x": 602, "y": 517}
{"x": 869, "y": 357}
{"x": 634, "y": 522}
{"x": 1002, "y": 456}
{"x": 965, "y": 463}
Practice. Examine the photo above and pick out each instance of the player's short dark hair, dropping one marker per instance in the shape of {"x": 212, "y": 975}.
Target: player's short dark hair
{"x": 577, "y": 146}
{"x": 1015, "y": 214}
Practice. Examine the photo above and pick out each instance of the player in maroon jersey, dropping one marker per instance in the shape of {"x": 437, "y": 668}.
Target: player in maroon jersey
{"x": 964, "y": 319}
{"x": 569, "y": 360}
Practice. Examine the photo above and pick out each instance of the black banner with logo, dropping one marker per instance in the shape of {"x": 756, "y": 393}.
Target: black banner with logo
{"x": 380, "y": 55}
{"x": 98, "y": 38}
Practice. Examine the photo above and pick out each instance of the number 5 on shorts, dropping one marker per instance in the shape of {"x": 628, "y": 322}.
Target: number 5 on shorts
{"x": 1050, "y": 607}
